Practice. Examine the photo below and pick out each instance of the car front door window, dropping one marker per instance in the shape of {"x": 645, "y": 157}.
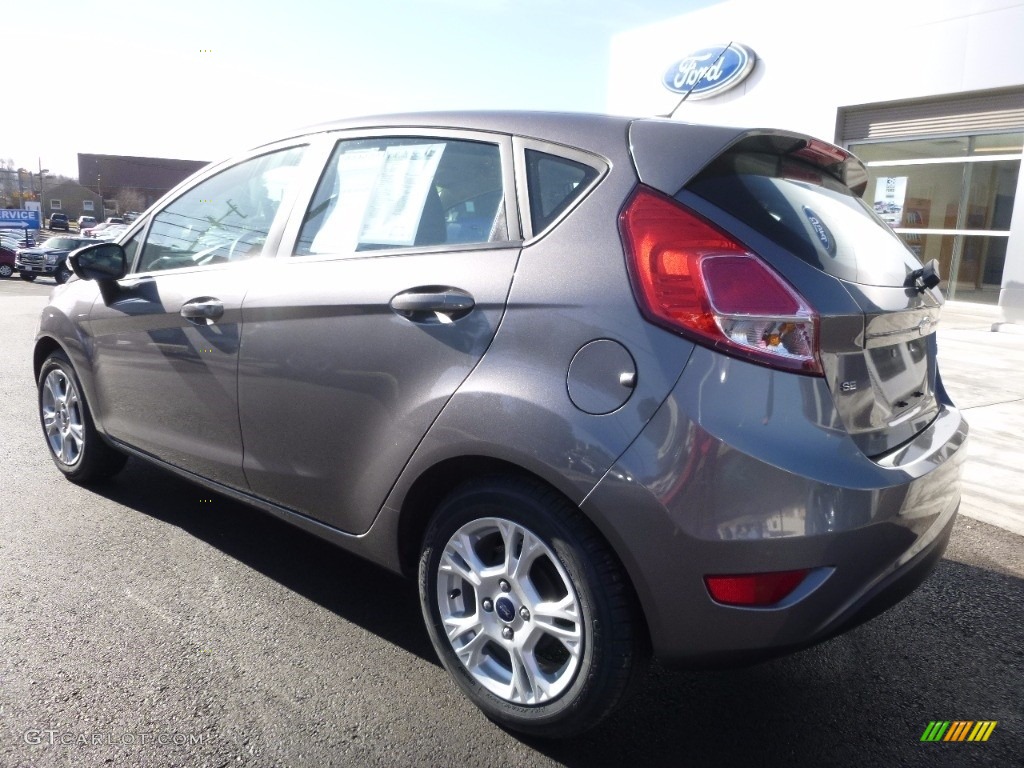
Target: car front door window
{"x": 225, "y": 218}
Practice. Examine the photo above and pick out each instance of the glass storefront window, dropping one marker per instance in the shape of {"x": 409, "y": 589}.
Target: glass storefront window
{"x": 949, "y": 199}
{"x": 942, "y": 148}
{"x": 917, "y": 149}
{"x": 978, "y": 261}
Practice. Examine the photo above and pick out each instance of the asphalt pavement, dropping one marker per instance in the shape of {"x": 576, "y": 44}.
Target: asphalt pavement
{"x": 146, "y": 622}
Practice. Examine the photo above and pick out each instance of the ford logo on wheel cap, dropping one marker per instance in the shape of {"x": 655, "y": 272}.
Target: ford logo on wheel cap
{"x": 504, "y": 608}
{"x": 710, "y": 71}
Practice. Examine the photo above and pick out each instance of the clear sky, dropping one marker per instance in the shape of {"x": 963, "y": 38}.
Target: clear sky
{"x": 203, "y": 79}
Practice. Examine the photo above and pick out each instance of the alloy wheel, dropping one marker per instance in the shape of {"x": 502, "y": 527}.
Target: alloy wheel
{"x": 63, "y": 419}
{"x": 510, "y": 611}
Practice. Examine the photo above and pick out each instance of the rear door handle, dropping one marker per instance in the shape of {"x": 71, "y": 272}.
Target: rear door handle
{"x": 203, "y": 311}
{"x": 433, "y": 303}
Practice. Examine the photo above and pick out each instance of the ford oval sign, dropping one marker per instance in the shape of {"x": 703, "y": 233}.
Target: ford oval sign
{"x": 710, "y": 71}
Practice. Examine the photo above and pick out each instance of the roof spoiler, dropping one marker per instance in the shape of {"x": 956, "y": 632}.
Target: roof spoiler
{"x": 701, "y": 144}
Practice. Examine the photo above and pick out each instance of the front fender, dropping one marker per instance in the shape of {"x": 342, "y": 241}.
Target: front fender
{"x": 62, "y": 326}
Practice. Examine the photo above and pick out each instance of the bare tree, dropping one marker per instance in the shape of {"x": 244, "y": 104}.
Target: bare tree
{"x": 8, "y": 181}
{"x": 129, "y": 199}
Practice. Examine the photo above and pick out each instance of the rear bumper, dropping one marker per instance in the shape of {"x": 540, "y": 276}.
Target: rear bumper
{"x": 904, "y": 580}
{"x": 742, "y": 471}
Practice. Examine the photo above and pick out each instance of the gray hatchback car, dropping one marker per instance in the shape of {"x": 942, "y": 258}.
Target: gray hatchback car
{"x": 609, "y": 387}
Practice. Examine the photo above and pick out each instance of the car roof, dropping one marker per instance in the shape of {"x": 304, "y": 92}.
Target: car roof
{"x": 574, "y": 128}
{"x": 585, "y": 130}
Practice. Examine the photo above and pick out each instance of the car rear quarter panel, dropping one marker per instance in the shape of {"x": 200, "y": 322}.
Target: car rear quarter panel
{"x": 742, "y": 471}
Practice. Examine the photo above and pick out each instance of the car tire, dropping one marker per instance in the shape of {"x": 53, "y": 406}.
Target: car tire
{"x": 63, "y": 274}
{"x": 76, "y": 447}
{"x": 546, "y": 647}
{"x": 6, "y": 270}
{"x": 26, "y": 277}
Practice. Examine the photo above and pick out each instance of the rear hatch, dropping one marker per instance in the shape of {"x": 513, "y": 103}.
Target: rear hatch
{"x": 794, "y": 202}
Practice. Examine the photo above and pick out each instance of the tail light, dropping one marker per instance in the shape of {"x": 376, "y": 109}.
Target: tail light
{"x": 694, "y": 279}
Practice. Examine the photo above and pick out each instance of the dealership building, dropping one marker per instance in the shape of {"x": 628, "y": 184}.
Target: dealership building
{"x": 929, "y": 95}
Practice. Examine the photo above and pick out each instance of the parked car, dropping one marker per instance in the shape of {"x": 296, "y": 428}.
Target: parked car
{"x": 59, "y": 221}
{"x": 93, "y": 230}
{"x": 7, "y": 256}
{"x": 604, "y": 386}
{"x": 49, "y": 259}
{"x": 84, "y": 222}
{"x": 109, "y": 232}
{"x": 17, "y": 238}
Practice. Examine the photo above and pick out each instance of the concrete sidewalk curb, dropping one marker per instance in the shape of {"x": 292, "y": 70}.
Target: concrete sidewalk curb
{"x": 981, "y": 360}
{"x": 1012, "y": 328}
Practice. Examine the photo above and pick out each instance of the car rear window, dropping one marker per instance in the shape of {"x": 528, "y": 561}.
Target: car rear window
{"x": 809, "y": 213}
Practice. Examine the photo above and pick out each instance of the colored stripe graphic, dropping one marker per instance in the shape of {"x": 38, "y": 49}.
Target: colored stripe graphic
{"x": 959, "y": 730}
{"x": 982, "y": 730}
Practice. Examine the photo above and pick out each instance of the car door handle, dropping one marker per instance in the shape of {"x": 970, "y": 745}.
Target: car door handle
{"x": 452, "y": 303}
{"x": 205, "y": 311}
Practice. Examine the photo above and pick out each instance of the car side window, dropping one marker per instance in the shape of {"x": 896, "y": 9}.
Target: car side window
{"x": 225, "y": 218}
{"x": 553, "y": 183}
{"x": 403, "y": 193}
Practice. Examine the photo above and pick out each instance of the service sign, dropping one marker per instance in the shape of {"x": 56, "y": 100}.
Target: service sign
{"x": 11, "y": 219}
{"x": 710, "y": 71}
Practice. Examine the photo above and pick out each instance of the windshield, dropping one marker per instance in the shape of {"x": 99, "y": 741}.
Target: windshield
{"x": 62, "y": 243}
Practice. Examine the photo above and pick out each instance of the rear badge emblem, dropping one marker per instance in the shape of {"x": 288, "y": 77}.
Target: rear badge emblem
{"x": 824, "y": 235}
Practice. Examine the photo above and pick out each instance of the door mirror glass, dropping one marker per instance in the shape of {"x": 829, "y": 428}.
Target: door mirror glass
{"x": 102, "y": 261}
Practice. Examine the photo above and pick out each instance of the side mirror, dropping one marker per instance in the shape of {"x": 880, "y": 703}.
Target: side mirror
{"x": 100, "y": 262}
